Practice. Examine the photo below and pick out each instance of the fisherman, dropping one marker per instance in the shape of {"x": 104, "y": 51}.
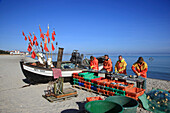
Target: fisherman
{"x": 94, "y": 63}
{"x": 120, "y": 66}
{"x": 140, "y": 68}
{"x": 107, "y": 64}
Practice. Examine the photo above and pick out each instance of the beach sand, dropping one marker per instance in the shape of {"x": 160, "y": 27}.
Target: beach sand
{"x": 15, "y": 99}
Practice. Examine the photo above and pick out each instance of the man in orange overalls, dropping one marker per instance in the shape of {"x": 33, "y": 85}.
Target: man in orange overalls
{"x": 94, "y": 63}
{"x": 120, "y": 66}
{"x": 107, "y": 64}
{"x": 140, "y": 68}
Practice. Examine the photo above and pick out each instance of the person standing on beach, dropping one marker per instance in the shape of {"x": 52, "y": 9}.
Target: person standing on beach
{"x": 94, "y": 63}
{"x": 107, "y": 64}
{"x": 140, "y": 68}
{"x": 120, "y": 66}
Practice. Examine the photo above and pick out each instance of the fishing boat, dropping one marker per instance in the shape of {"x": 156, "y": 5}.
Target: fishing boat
{"x": 37, "y": 74}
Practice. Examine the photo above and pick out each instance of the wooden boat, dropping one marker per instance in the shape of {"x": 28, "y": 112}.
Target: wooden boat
{"x": 39, "y": 74}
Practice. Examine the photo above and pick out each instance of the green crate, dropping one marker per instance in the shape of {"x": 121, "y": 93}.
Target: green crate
{"x": 75, "y": 82}
{"x": 85, "y": 74}
{"x": 74, "y": 79}
{"x": 120, "y": 92}
{"x": 93, "y": 84}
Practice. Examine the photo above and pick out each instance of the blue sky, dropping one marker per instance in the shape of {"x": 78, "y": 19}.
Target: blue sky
{"x": 91, "y": 26}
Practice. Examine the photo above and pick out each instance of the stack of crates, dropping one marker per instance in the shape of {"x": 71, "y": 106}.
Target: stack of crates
{"x": 84, "y": 79}
{"x": 106, "y": 86}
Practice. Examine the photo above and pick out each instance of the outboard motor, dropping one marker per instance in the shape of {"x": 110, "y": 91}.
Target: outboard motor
{"x": 76, "y": 58}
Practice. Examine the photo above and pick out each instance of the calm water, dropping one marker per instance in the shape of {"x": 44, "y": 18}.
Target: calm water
{"x": 158, "y": 67}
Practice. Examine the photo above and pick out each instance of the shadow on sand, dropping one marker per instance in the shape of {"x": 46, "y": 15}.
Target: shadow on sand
{"x": 81, "y": 108}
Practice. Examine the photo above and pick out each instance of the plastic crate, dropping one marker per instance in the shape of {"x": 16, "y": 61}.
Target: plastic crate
{"x": 87, "y": 83}
{"x": 81, "y": 84}
{"x": 113, "y": 85}
{"x": 104, "y": 82}
{"x": 82, "y": 81}
{"x": 96, "y": 79}
{"x": 85, "y": 74}
{"x": 89, "y": 78}
{"x": 111, "y": 93}
{"x": 75, "y": 75}
{"x": 74, "y": 79}
{"x": 93, "y": 84}
{"x": 125, "y": 87}
{"x": 135, "y": 92}
{"x": 87, "y": 86}
{"x": 94, "y": 88}
{"x": 75, "y": 82}
{"x": 101, "y": 91}
{"x": 88, "y": 99}
{"x": 120, "y": 92}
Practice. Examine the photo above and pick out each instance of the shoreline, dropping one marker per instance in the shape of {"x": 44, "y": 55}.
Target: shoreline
{"x": 15, "y": 99}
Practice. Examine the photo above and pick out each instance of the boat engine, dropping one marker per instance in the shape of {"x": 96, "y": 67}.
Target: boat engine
{"x": 76, "y": 58}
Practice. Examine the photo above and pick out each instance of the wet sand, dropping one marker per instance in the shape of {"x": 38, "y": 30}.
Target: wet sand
{"x": 15, "y": 99}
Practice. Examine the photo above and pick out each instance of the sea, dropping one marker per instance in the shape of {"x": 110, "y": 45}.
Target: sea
{"x": 158, "y": 64}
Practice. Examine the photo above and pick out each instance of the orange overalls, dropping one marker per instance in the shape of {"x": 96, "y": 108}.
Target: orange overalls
{"x": 94, "y": 64}
{"x": 120, "y": 67}
{"x": 107, "y": 65}
{"x": 142, "y": 69}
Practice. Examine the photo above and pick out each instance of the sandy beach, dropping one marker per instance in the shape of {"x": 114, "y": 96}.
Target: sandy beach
{"x": 15, "y": 99}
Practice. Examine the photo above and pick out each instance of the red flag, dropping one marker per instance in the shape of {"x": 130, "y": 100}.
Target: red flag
{"x": 53, "y": 47}
{"x": 30, "y": 34}
{"x": 25, "y": 38}
{"x": 33, "y": 55}
{"x": 45, "y": 40}
{"x": 31, "y": 43}
{"x": 35, "y": 38}
{"x": 36, "y": 43}
{"x": 53, "y": 33}
{"x": 23, "y": 33}
{"x": 48, "y": 39}
{"x": 41, "y": 44}
{"x": 42, "y": 36}
{"x": 29, "y": 38}
{"x": 45, "y": 48}
{"x": 47, "y": 33}
{"x": 40, "y": 29}
{"x": 53, "y": 37}
{"x": 29, "y": 48}
{"x": 42, "y": 49}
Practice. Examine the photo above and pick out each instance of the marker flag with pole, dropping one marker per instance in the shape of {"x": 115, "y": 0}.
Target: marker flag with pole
{"x": 53, "y": 37}
{"x": 45, "y": 40}
{"x": 23, "y": 33}
{"x": 48, "y": 39}
{"x": 35, "y": 38}
{"x": 53, "y": 33}
{"x": 45, "y": 48}
{"x": 33, "y": 55}
{"x": 53, "y": 47}
{"x": 30, "y": 34}
{"x": 41, "y": 46}
{"x": 47, "y": 33}
{"x": 36, "y": 43}
{"x": 29, "y": 48}
{"x": 29, "y": 38}
{"x": 42, "y": 35}
{"x": 40, "y": 29}
{"x": 25, "y": 38}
